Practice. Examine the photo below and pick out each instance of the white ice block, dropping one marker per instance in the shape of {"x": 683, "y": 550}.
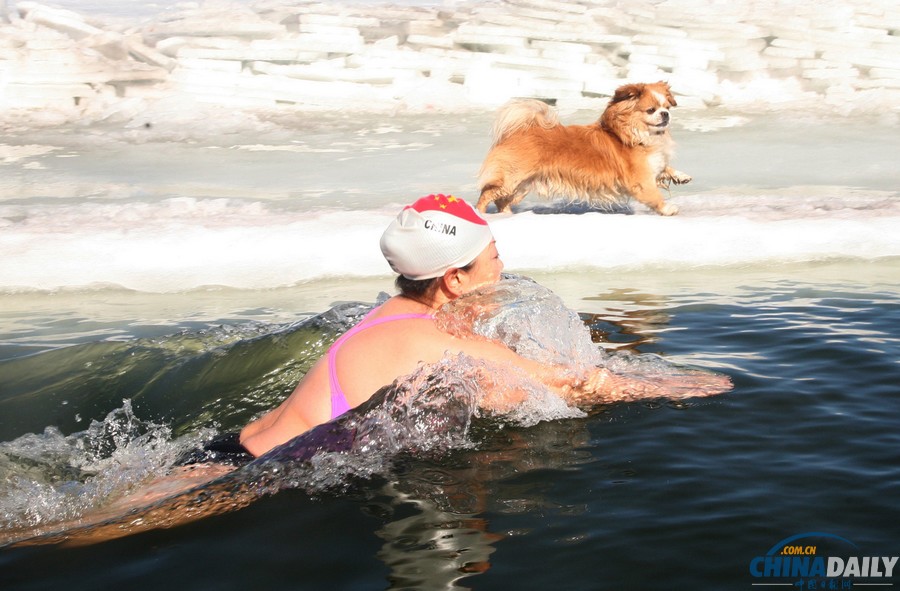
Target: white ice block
{"x": 54, "y": 42}
{"x": 444, "y": 41}
{"x": 830, "y": 73}
{"x": 48, "y": 72}
{"x": 148, "y": 55}
{"x": 646, "y": 72}
{"x": 554, "y": 6}
{"x": 490, "y": 16}
{"x": 211, "y": 65}
{"x": 864, "y": 58}
{"x": 743, "y": 62}
{"x": 332, "y": 73}
{"x": 697, "y": 83}
{"x": 235, "y": 54}
{"x": 528, "y": 16}
{"x": 885, "y": 73}
{"x": 431, "y": 27}
{"x": 48, "y": 91}
{"x": 216, "y": 24}
{"x": 58, "y": 19}
{"x": 601, "y": 84}
{"x": 403, "y": 58}
{"x": 561, "y": 46}
{"x": 662, "y": 38}
{"x": 339, "y": 20}
{"x": 72, "y": 58}
{"x": 171, "y": 45}
{"x": 315, "y": 42}
{"x": 781, "y": 63}
{"x": 490, "y": 39}
{"x": 35, "y": 70}
{"x": 885, "y": 18}
{"x": 334, "y": 30}
{"x": 280, "y": 50}
{"x": 879, "y": 83}
{"x": 640, "y": 57}
{"x": 563, "y": 57}
{"x": 277, "y": 89}
{"x": 136, "y": 73}
{"x": 790, "y": 52}
{"x": 728, "y": 33}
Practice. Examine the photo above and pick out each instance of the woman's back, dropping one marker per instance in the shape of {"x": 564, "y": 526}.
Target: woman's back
{"x": 387, "y": 344}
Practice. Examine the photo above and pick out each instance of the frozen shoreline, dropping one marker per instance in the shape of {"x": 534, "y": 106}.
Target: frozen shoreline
{"x": 59, "y": 66}
{"x": 190, "y": 251}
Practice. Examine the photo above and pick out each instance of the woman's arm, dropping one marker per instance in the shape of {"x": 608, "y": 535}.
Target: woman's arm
{"x": 595, "y": 385}
{"x": 302, "y": 410}
{"x": 275, "y": 428}
{"x": 603, "y": 386}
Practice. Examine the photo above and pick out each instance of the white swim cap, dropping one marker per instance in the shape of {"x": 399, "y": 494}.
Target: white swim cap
{"x": 436, "y": 233}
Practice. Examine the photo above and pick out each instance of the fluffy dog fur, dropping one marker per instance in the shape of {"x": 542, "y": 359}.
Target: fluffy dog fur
{"x": 624, "y": 154}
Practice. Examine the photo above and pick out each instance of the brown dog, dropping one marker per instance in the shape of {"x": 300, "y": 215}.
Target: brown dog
{"x": 625, "y": 153}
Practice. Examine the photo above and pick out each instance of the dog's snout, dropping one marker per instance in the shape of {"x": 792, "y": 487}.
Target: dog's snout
{"x": 664, "y": 116}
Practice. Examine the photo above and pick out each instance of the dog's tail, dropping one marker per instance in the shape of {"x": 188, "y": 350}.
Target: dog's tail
{"x": 520, "y": 114}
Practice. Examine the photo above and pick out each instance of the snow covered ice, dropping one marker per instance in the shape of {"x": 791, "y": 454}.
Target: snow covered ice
{"x": 163, "y": 148}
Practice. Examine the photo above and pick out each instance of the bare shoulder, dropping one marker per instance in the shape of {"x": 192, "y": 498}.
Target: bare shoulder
{"x": 400, "y": 305}
{"x": 423, "y": 338}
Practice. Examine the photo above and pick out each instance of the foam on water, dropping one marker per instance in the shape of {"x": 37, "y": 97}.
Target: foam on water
{"x": 51, "y": 477}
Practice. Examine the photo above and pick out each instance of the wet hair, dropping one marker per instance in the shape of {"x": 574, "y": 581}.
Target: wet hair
{"x": 420, "y": 287}
{"x": 416, "y": 288}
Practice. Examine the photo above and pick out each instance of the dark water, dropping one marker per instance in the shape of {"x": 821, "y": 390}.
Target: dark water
{"x": 651, "y": 495}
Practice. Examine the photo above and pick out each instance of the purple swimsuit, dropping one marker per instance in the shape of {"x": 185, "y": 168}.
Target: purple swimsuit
{"x": 339, "y": 404}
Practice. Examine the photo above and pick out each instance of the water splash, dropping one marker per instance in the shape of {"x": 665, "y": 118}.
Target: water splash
{"x": 527, "y": 317}
{"x": 535, "y": 323}
{"x": 428, "y": 412}
{"x": 51, "y": 477}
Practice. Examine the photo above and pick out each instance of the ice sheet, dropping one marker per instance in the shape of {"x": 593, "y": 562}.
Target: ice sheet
{"x": 185, "y": 243}
{"x": 151, "y": 186}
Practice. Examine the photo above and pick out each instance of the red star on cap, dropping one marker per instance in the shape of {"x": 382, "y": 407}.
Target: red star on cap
{"x": 449, "y": 204}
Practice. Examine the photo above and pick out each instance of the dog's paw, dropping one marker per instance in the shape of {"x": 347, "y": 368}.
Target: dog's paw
{"x": 668, "y": 209}
{"x": 680, "y": 178}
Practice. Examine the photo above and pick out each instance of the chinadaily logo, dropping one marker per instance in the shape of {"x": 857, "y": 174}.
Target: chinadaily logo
{"x": 817, "y": 560}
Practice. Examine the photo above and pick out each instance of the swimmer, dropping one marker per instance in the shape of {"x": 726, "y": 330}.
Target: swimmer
{"x": 441, "y": 248}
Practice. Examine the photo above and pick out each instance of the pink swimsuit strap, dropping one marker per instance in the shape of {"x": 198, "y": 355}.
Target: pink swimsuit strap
{"x": 339, "y": 404}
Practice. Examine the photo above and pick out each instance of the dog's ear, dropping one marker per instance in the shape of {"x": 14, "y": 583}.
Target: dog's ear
{"x": 627, "y": 93}
{"x": 669, "y": 96}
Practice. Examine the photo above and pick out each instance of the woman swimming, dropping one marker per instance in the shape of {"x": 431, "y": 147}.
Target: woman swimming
{"x": 399, "y": 359}
{"x": 441, "y": 248}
